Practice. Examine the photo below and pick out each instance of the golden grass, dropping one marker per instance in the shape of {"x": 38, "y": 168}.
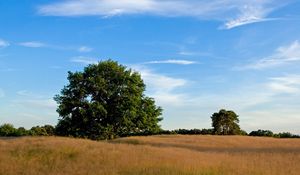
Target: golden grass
{"x": 167, "y": 155}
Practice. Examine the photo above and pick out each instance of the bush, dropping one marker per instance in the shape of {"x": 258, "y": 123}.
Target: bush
{"x": 38, "y": 131}
{"x": 21, "y": 131}
{"x": 8, "y": 130}
{"x": 264, "y": 133}
{"x": 286, "y": 135}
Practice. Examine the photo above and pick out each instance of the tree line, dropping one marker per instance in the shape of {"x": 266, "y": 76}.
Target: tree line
{"x": 8, "y": 130}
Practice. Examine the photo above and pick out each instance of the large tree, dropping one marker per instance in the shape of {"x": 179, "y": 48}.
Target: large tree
{"x": 225, "y": 123}
{"x": 106, "y": 100}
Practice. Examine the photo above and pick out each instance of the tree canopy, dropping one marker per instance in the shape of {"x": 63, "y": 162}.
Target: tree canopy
{"x": 225, "y": 123}
{"x": 104, "y": 101}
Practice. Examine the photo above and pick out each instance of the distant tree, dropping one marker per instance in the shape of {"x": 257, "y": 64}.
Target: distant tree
{"x": 21, "y": 131}
{"x": 286, "y": 135}
{"x": 207, "y": 131}
{"x": 225, "y": 123}
{"x": 104, "y": 101}
{"x": 244, "y": 133}
{"x": 38, "y": 131}
{"x": 264, "y": 133}
{"x": 49, "y": 129}
{"x": 191, "y": 131}
{"x": 8, "y": 130}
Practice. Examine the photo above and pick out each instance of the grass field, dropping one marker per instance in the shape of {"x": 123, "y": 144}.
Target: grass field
{"x": 168, "y": 155}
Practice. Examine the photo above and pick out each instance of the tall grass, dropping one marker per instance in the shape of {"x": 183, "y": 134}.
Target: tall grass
{"x": 167, "y": 155}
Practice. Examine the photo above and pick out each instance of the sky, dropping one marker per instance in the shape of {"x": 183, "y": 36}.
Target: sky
{"x": 195, "y": 57}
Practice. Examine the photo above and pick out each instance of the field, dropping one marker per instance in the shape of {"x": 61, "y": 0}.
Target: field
{"x": 168, "y": 155}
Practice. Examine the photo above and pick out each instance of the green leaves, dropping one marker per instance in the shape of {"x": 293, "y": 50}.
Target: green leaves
{"x": 225, "y": 123}
{"x": 104, "y": 101}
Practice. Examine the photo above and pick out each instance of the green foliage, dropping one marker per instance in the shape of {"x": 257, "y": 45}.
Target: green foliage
{"x": 286, "y": 135}
{"x": 225, "y": 123}
{"x": 265, "y": 133}
{"x": 244, "y": 133}
{"x": 104, "y": 101}
{"x": 50, "y": 130}
{"x": 8, "y": 130}
{"x": 38, "y": 131}
{"x": 21, "y": 131}
{"x": 193, "y": 131}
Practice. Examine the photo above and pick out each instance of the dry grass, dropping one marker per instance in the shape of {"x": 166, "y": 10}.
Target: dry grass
{"x": 168, "y": 155}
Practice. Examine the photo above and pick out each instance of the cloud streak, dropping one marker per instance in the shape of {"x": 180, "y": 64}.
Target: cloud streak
{"x": 282, "y": 56}
{"x": 33, "y": 44}
{"x": 249, "y": 14}
{"x": 289, "y": 84}
{"x": 3, "y": 43}
{"x": 180, "y": 62}
{"x": 233, "y": 13}
{"x": 85, "y": 49}
{"x": 84, "y": 60}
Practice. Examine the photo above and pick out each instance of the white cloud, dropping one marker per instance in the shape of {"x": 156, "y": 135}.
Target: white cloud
{"x": 289, "y": 84}
{"x": 33, "y": 44}
{"x": 85, "y": 49}
{"x": 181, "y": 62}
{"x": 233, "y": 12}
{"x": 3, "y": 43}
{"x": 249, "y": 14}
{"x": 283, "y": 55}
{"x": 162, "y": 87}
{"x": 84, "y": 60}
{"x": 187, "y": 53}
{"x": 161, "y": 82}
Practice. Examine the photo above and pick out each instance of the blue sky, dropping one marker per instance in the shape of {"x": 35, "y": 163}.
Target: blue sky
{"x": 195, "y": 56}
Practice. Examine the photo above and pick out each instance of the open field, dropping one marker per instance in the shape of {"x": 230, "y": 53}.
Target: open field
{"x": 168, "y": 155}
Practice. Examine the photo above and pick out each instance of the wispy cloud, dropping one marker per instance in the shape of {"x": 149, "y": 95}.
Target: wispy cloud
{"x": 289, "y": 84}
{"x": 180, "y": 62}
{"x": 187, "y": 53}
{"x": 85, "y": 49}
{"x": 249, "y": 14}
{"x": 3, "y": 43}
{"x": 233, "y": 12}
{"x": 26, "y": 93}
{"x": 33, "y": 44}
{"x": 84, "y": 60}
{"x": 39, "y": 44}
{"x": 161, "y": 87}
{"x": 283, "y": 55}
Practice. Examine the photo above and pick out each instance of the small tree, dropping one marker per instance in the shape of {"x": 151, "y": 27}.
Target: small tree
{"x": 104, "y": 101}
{"x": 38, "y": 131}
{"x": 225, "y": 123}
{"x": 265, "y": 133}
{"x": 8, "y": 130}
{"x": 21, "y": 131}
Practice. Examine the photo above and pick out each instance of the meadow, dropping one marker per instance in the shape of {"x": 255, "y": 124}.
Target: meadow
{"x": 157, "y": 155}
